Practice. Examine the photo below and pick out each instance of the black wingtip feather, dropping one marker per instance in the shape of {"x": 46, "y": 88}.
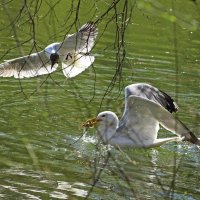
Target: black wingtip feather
{"x": 171, "y": 105}
{"x": 88, "y": 26}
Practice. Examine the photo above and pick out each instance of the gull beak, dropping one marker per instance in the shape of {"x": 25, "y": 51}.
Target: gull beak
{"x": 54, "y": 57}
{"x": 90, "y": 123}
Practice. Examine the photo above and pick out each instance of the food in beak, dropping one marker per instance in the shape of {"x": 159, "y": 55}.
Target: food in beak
{"x": 90, "y": 123}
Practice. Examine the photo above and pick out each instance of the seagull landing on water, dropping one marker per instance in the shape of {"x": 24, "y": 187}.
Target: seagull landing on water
{"x": 146, "y": 108}
{"x": 73, "y": 53}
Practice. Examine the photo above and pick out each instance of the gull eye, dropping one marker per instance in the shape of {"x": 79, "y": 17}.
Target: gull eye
{"x": 103, "y": 115}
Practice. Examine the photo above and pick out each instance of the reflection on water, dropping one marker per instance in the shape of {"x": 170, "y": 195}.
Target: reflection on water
{"x": 39, "y": 186}
{"x": 72, "y": 188}
{"x": 41, "y": 153}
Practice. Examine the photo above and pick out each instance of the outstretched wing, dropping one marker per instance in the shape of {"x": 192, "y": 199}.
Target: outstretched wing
{"x": 142, "y": 116}
{"x": 76, "y": 64}
{"x": 151, "y": 93}
{"x": 137, "y": 122}
{"x": 27, "y": 66}
{"x": 82, "y": 41}
{"x": 74, "y": 51}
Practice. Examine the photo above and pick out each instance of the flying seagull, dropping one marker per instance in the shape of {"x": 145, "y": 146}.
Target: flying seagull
{"x": 73, "y": 53}
{"x": 146, "y": 107}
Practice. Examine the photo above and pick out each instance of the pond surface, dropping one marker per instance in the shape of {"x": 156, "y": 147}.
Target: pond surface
{"x": 41, "y": 153}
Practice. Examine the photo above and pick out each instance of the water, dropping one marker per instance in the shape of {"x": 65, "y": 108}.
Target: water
{"x": 41, "y": 156}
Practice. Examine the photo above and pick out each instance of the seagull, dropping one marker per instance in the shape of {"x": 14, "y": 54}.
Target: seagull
{"x": 146, "y": 107}
{"x": 73, "y": 53}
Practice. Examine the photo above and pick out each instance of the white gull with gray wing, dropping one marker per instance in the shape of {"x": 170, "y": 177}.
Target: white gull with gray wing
{"x": 73, "y": 53}
{"x": 146, "y": 108}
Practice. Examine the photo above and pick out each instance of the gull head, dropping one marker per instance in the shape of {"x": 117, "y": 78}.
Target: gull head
{"x": 107, "y": 119}
{"x": 104, "y": 120}
{"x": 52, "y": 53}
{"x": 106, "y": 123}
{"x": 54, "y": 57}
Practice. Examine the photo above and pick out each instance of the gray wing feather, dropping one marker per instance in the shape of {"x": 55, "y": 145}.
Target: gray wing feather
{"x": 143, "y": 112}
{"x": 27, "y": 66}
{"x": 74, "y": 51}
{"x": 151, "y": 93}
{"x": 82, "y": 41}
{"x": 138, "y": 121}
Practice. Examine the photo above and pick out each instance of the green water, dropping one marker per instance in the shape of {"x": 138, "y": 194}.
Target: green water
{"x": 40, "y": 154}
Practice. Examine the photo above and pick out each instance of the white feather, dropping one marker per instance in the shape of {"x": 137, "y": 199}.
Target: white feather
{"x": 77, "y": 64}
